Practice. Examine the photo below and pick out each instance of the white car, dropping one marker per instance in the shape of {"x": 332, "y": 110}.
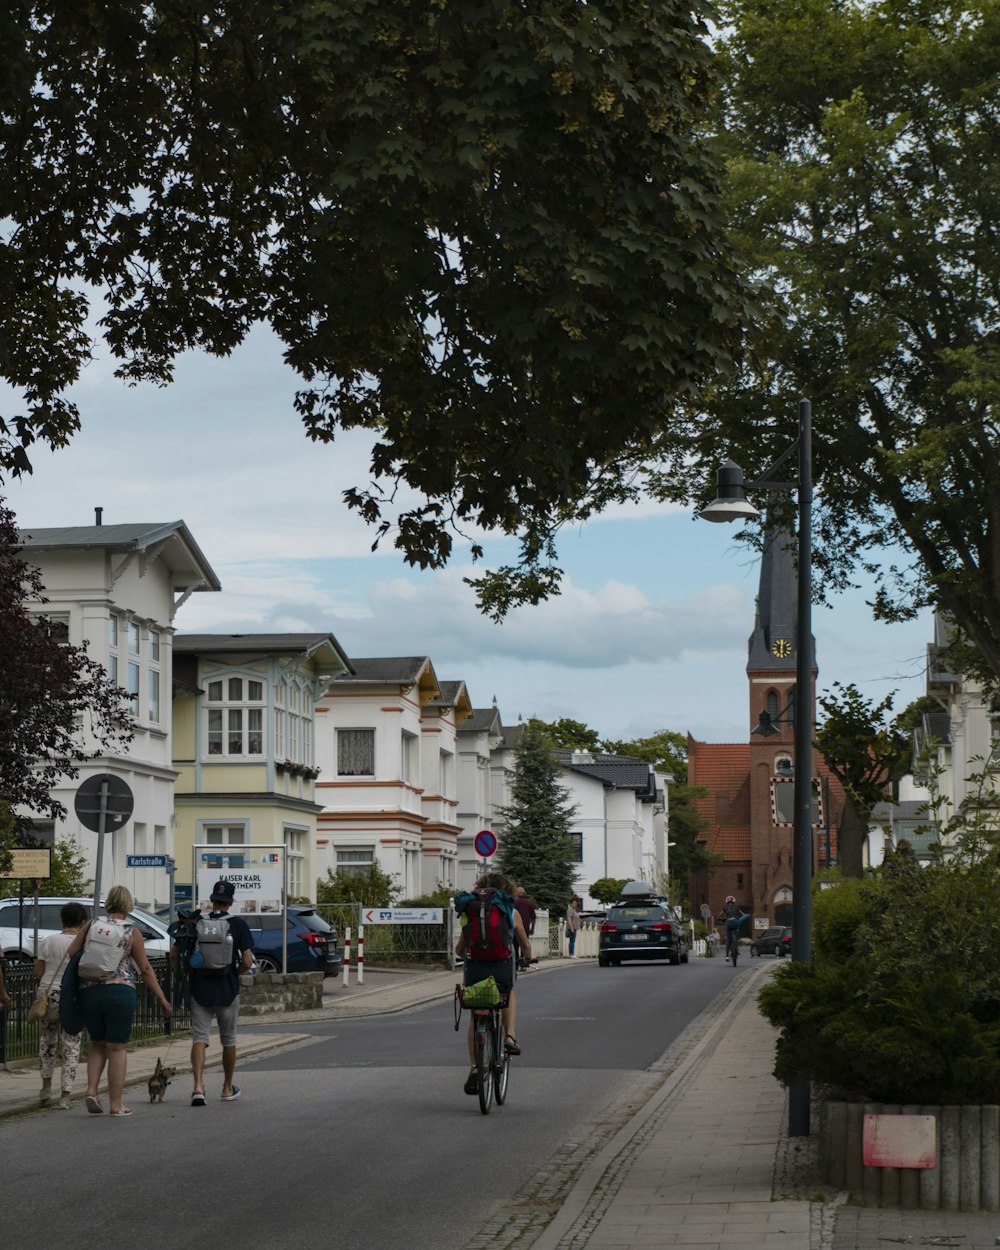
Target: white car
{"x": 17, "y": 925}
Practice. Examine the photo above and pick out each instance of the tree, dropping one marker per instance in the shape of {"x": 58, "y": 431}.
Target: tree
{"x": 371, "y": 888}
{"x": 535, "y": 847}
{"x": 491, "y": 234}
{"x": 56, "y": 707}
{"x": 864, "y": 153}
{"x": 568, "y": 735}
{"x": 867, "y": 753}
{"x": 607, "y": 889}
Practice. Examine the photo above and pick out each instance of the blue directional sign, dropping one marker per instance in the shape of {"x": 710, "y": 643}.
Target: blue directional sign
{"x": 145, "y": 861}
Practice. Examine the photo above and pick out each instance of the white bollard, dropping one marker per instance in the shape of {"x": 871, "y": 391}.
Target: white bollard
{"x": 347, "y": 956}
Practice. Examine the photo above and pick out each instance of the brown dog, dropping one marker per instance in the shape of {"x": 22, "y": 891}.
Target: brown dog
{"x": 159, "y": 1081}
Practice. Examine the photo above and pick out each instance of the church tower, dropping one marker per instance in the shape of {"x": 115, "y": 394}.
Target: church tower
{"x": 772, "y": 652}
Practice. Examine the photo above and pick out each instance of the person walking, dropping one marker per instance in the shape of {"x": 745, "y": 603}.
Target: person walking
{"x": 49, "y": 967}
{"x": 525, "y": 908}
{"x": 108, "y": 1005}
{"x": 572, "y": 926}
{"x": 216, "y": 997}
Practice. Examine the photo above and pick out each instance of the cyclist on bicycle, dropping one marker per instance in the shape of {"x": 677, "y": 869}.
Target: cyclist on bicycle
{"x": 734, "y": 917}
{"x": 503, "y": 970}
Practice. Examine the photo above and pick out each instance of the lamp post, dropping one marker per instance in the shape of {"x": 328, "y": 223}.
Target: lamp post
{"x": 730, "y": 505}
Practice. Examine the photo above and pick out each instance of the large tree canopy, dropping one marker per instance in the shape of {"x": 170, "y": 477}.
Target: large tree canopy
{"x": 864, "y": 143}
{"x": 490, "y": 232}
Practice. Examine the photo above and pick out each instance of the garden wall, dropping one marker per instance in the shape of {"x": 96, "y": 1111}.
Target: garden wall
{"x": 966, "y": 1177}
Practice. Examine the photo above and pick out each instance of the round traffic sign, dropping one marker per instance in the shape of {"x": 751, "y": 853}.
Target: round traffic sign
{"x": 485, "y": 843}
{"x": 103, "y": 791}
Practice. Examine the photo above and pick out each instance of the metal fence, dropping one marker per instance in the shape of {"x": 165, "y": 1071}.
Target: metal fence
{"x": 19, "y": 1039}
{"x": 387, "y": 944}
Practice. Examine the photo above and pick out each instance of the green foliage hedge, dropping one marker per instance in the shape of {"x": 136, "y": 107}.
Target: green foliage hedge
{"x": 902, "y": 1001}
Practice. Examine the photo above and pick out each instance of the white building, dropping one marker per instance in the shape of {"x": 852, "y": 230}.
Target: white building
{"x": 117, "y": 589}
{"x": 386, "y": 740}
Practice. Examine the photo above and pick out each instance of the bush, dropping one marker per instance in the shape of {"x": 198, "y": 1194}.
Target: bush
{"x": 902, "y": 1001}
{"x": 372, "y": 888}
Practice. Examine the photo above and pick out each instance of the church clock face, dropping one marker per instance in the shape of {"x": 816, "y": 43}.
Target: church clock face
{"x": 781, "y": 648}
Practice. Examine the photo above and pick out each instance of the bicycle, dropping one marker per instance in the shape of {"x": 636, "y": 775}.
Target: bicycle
{"x": 734, "y": 952}
{"x": 489, "y": 1054}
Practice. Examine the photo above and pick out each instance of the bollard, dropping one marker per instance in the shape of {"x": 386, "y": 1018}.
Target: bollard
{"x": 361, "y": 954}
{"x": 347, "y": 957}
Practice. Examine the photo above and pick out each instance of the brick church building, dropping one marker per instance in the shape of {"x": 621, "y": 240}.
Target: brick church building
{"x": 749, "y": 809}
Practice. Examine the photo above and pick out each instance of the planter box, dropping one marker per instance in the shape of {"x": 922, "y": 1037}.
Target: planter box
{"x": 966, "y": 1177}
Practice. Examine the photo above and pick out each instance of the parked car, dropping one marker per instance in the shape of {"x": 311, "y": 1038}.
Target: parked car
{"x": 17, "y": 925}
{"x": 774, "y": 941}
{"x": 642, "y": 928}
{"x": 312, "y": 943}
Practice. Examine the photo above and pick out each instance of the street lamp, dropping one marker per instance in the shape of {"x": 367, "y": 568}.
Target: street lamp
{"x": 730, "y": 505}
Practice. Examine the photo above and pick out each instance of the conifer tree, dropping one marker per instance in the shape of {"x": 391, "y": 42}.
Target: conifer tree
{"x": 535, "y": 848}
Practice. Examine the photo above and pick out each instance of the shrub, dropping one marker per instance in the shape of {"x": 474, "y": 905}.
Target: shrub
{"x": 902, "y": 1001}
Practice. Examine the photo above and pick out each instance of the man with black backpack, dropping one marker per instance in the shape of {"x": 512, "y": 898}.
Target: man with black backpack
{"x": 491, "y": 931}
{"x": 223, "y": 949}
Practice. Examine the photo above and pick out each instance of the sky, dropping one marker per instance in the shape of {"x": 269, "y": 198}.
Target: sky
{"x": 650, "y": 631}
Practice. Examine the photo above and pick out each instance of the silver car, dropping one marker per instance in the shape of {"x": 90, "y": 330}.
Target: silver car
{"x": 17, "y": 925}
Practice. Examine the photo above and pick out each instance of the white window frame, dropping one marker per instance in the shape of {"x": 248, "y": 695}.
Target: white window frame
{"x": 230, "y": 711}
{"x": 296, "y": 848}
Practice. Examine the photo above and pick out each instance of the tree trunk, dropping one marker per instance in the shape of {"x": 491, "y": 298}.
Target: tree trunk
{"x": 851, "y": 838}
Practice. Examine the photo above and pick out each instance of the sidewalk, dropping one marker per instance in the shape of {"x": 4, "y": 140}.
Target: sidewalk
{"x": 704, "y": 1165}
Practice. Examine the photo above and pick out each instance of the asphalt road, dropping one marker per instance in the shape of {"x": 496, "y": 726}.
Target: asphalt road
{"x": 362, "y": 1137}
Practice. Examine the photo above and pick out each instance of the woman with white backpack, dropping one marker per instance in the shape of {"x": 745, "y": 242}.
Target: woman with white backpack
{"x": 112, "y": 954}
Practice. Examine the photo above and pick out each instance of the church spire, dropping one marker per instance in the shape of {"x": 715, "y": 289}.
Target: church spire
{"x": 773, "y": 643}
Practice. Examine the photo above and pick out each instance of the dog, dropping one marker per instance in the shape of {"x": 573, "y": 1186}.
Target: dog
{"x": 159, "y": 1081}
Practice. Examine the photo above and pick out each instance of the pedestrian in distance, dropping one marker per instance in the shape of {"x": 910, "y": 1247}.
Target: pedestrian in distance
{"x": 107, "y": 1004}
{"x": 215, "y": 994}
{"x": 49, "y": 966}
{"x": 525, "y": 907}
{"x": 572, "y": 926}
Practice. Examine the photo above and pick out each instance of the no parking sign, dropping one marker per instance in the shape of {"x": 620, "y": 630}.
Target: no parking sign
{"x": 485, "y": 843}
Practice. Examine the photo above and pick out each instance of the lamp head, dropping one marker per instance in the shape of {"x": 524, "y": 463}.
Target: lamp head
{"x": 765, "y": 726}
{"x": 730, "y": 503}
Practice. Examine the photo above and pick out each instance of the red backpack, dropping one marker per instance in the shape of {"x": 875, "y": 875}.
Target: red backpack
{"x": 487, "y": 933}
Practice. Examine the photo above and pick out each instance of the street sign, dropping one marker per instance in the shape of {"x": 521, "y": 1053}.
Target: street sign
{"x": 485, "y": 843}
{"x": 145, "y": 861}
{"x": 402, "y": 915}
{"x": 118, "y": 802}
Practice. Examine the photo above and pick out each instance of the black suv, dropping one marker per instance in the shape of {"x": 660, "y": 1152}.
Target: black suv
{"x": 642, "y": 928}
{"x": 774, "y": 941}
{"x": 312, "y": 943}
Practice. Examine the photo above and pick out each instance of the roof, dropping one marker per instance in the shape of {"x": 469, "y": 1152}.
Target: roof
{"x": 177, "y": 548}
{"x": 483, "y": 720}
{"x": 453, "y": 694}
{"x": 393, "y": 670}
{"x": 617, "y": 772}
{"x": 310, "y": 645}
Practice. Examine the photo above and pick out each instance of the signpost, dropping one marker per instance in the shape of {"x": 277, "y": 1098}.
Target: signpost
{"x": 485, "y": 843}
{"x": 34, "y": 864}
{"x": 145, "y": 861}
{"x": 102, "y": 802}
{"x": 402, "y": 915}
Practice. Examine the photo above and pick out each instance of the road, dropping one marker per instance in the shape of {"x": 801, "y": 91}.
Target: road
{"x": 362, "y": 1136}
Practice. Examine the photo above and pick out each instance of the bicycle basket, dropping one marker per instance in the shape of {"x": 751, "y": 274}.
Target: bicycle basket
{"x": 482, "y": 994}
